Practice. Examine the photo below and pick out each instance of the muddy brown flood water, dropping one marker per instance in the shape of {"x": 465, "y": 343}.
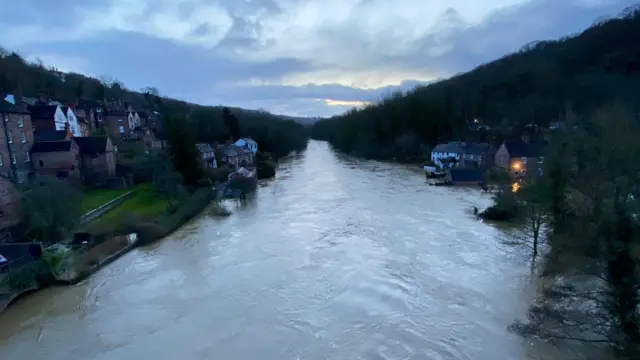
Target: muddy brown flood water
{"x": 337, "y": 258}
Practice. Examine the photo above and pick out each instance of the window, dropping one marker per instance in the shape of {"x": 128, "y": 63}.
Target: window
{"x": 23, "y": 137}
{"x": 121, "y": 129}
{"x": 5, "y": 117}
{"x": 540, "y": 159}
{"x": 20, "y": 121}
{"x": 13, "y": 157}
{"x": 0, "y": 159}
{"x": 40, "y": 162}
{"x": 27, "y": 158}
{"x": 120, "y": 120}
{"x": 20, "y": 176}
{"x": 9, "y": 137}
{"x": 524, "y": 160}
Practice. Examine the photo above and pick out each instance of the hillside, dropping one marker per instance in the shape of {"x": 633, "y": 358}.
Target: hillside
{"x": 533, "y": 86}
{"x": 275, "y": 134}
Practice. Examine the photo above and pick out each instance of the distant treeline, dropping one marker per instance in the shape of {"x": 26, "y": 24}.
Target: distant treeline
{"x": 536, "y": 85}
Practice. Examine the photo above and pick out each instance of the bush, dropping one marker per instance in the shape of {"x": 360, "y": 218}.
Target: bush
{"x": 265, "y": 170}
{"x": 218, "y": 175}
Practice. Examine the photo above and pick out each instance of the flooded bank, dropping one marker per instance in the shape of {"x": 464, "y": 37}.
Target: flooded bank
{"x": 337, "y": 258}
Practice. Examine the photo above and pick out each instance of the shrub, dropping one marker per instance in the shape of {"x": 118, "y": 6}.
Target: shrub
{"x": 219, "y": 175}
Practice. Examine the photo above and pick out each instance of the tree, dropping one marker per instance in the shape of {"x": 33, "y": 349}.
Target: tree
{"x": 232, "y": 123}
{"x": 79, "y": 90}
{"x": 49, "y": 213}
{"x": 183, "y": 152}
{"x": 597, "y": 244}
{"x": 166, "y": 181}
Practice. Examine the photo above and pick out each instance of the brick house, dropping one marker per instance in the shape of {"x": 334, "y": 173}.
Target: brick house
{"x": 206, "y": 156}
{"x": 16, "y": 140}
{"x": 60, "y": 159}
{"x": 97, "y": 160}
{"x": 116, "y": 123}
{"x": 521, "y": 156}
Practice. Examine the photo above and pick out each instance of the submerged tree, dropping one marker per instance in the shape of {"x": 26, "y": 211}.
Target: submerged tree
{"x": 598, "y": 299}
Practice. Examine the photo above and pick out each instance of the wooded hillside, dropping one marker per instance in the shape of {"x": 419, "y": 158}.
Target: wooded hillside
{"x": 274, "y": 133}
{"x": 532, "y": 86}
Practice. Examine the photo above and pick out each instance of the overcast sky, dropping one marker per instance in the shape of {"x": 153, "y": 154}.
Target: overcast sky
{"x": 296, "y": 57}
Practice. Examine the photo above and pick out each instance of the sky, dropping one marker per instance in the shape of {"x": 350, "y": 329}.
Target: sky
{"x": 293, "y": 57}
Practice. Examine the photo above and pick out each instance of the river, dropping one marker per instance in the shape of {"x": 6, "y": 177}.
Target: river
{"x": 337, "y": 258}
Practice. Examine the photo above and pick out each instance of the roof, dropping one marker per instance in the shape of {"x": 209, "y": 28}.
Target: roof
{"x": 231, "y": 150}
{"x": 466, "y": 175}
{"x": 88, "y": 104}
{"x": 51, "y": 146}
{"x": 7, "y": 107}
{"x": 204, "y": 148}
{"x": 462, "y": 147}
{"x": 519, "y": 148}
{"x": 19, "y": 254}
{"x": 57, "y": 135}
{"x": 249, "y": 140}
{"x": 43, "y": 111}
{"x": 91, "y": 144}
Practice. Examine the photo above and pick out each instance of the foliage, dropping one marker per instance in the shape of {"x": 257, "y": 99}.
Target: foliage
{"x": 244, "y": 185}
{"x": 167, "y": 183}
{"x": 532, "y": 86}
{"x": 219, "y": 174}
{"x": 593, "y": 237}
{"x": 29, "y": 276}
{"x": 182, "y": 150}
{"x": 46, "y": 209}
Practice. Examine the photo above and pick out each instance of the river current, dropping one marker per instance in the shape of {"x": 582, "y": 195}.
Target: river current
{"x": 337, "y": 258}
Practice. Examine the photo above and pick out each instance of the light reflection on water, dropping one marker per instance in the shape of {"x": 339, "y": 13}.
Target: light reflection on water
{"x": 337, "y": 258}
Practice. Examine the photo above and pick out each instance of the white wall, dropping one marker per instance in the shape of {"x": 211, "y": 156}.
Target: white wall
{"x": 74, "y": 126}
{"x": 436, "y": 157}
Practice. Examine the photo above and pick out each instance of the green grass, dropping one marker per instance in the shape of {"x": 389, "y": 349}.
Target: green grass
{"x": 95, "y": 198}
{"x": 144, "y": 203}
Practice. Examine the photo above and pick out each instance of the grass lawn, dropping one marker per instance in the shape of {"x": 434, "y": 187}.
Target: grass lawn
{"x": 95, "y": 198}
{"x": 144, "y": 203}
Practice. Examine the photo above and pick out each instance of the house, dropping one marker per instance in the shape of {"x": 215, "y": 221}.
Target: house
{"x": 90, "y": 111}
{"x": 116, "y": 122}
{"x": 97, "y": 158}
{"x": 236, "y": 156}
{"x": 60, "y": 159}
{"x": 521, "y": 156}
{"x": 16, "y": 140}
{"x": 74, "y": 125}
{"x": 10, "y": 210}
{"x": 57, "y": 135}
{"x": 152, "y": 141}
{"x": 53, "y": 117}
{"x": 465, "y": 176}
{"x": 144, "y": 119}
{"x": 134, "y": 120}
{"x": 248, "y": 143}
{"x": 465, "y": 154}
{"x": 206, "y": 155}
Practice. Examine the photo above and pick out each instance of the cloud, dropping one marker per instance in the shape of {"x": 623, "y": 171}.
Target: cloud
{"x": 312, "y": 57}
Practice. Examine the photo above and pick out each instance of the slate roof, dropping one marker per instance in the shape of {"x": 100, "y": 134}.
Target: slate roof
{"x": 91, "y": 144}
{"x": 7, "y": 107}
{"x": 231, "y": 150}
{"x": 519, "y": 148}
{"x": 43, "y": 111}
{"x": 58, "y": 135}
{"x": 51, "y": 146}
{"x": 204, "y": 148}
{"x": 460, "y": 147}
{"x": 249, "y": 140}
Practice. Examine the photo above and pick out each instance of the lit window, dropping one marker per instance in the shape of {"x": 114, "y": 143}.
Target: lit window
{"x": 121, "y": 129}
{"x": 20, "y": 121}
{"x": 13, "y": 157}
{"x": 9, "y": 137}
{"x": 27, "y": 158}
{"x": 23, "y": 137}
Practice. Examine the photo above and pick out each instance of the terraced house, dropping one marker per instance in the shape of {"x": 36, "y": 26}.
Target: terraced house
{"x": 15, "y": 142}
